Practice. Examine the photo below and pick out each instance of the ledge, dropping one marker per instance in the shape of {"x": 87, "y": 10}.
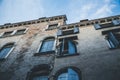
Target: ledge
{"x": 44, "y": 53}
{"x": 67, "y": 55}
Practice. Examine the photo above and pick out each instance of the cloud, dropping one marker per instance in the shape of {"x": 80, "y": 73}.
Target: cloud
{"x": 85, "y": 9}
{"x": 21, "y": 10}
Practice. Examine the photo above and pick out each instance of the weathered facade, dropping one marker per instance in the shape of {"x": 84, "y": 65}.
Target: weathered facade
{"x": 48, "y": 48}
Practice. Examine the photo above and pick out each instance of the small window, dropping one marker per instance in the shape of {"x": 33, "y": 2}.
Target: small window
{"x": 7, "y": 34}
{"x": 67, "y": 47}
{"x": 68, "y": 74}
{"x": 107, "y": 25}
{"x": 68, "y": 32}
{"x": 52, "y": 26}
{"x": 47, "y": 45}
{"x": 20, "y": 31}
{"x": 113, "y": 40}
{"x": 5, "y": 50}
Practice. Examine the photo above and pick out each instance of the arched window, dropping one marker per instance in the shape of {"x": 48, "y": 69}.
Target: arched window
{"x": 67, "y": 47}
{"x": 68, "y": 74}
{"x": 39, "y": 72}
{"x": 47, "y": 45}
{"x": 5, "y": 50}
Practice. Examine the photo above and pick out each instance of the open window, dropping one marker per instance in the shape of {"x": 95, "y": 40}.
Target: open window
{"x": 67, "y": 46}
{"x": 113, "y": 39}
{"x": 6, "y": 50}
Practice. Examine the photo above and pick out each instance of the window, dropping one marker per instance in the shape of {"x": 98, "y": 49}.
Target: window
{"x": 21, "y": 31}
{"x": 68, "y": 32}
{"x": 106, "y": 25}
{"x": 47, "y": 45}
{"x": 7, "y": 34}
{"x": 113, "y": 39}
{"x": 39, "y": 72}
{"x": 68, "y": 74}
{"x": 5, "y": 50}
{"x": 67, "y": 47}
{"x": 52, "y": 26}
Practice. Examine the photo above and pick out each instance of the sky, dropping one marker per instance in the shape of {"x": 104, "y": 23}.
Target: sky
{"x": 12, "y": 11}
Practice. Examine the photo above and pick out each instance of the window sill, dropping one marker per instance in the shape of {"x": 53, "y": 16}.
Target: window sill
{"x": 66, "y": 55}
{"x": 44, "y": 53}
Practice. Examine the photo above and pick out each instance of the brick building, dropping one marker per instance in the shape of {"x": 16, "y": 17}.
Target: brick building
{"x": 49, "y": 49}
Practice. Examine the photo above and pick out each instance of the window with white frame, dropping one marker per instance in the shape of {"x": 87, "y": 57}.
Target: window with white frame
{"x": 6, "y": 50}
{"x": 47, "y": 45}
{"x": 21, "y": 31}
{"x": 9, "y": 33}
{"x": 52, "y": 26}
{"x": 14, "y": 32}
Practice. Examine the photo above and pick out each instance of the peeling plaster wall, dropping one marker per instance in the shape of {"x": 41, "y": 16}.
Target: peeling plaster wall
{"x": 95, "y": 60}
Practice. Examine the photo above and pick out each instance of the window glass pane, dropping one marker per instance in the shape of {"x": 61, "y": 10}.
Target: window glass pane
{"x": 71, "y": 47}
{"x": 72, "y": 75}
{"x": 5, "y": 51}
{"x": 63, "y": 76}
{"x": 20, "y": 31}
{"x": 40, "y": 78}
{"x": 47, "y": 45}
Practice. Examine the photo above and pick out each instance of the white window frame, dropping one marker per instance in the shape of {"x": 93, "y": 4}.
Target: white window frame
{"x": 8, "y": 52}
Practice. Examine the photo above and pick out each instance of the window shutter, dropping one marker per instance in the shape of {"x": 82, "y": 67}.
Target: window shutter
{"x": 76, "y": 30}
{"x": 116, "y": 22}
{"x": 113, "y": 39}
{"x": 72, "y": 75}
{"x": 97, "y": 26}
{"x": 59, "y": 33}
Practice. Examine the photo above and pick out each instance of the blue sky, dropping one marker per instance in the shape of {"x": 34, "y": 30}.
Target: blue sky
{"x": 12, "y": 11}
